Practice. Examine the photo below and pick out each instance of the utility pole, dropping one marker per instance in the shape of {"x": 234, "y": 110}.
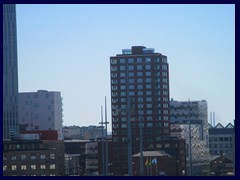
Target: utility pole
{"x": 103, "y": 159}
{"x": 106, "y": 136}
{"x": 129, "y": 129}
{"x": 141, "y": 138}
{"x": 190, "y": 141}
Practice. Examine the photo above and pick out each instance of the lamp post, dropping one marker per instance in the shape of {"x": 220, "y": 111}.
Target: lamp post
{"x": 141, "y": 138}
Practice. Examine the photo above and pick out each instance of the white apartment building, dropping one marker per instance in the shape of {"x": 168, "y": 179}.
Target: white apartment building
{"x": 41, "y": 110}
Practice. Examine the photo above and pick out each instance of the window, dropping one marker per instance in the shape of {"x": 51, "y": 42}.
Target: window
{"x": 165, "y": 99}
{"x": 123, "y": 93}
{"x": 167, "y": 145}
{"x": 149, "y": 105}
{"x": 122, "y": 74}
{"x": 157, "y": 59}
{"x": 139, "y": 60}
{"x": 122, "y": 68}
{"x": 123, "y": 119}
{"x": 149, "y": 111}
{"x": 148, "y": 67}
{"x": 157, "y": 73}
{"x": 33, "y": 167}
{"x": 149, "y": 125}
{"x": 165, "y": 105}
{"x": 131, "y": 67}
{"x": 23, "y": 167}
{"x": 131, "y": 80}
{"x": 52, "y": 166}
{"x": 113, "y": 75}
{"x": 131, "y": 87}
{"x": 114, "y": 94}
{"x": 149, "y": 99}
{"x": 113, "y": 68}
{"x": 148, "y": 86}
{"x": 164, "y": 60}
{"x": 140, "y": 106}
{"x": 52, "y": 156}
{"x": 165, "y": 93}
{"x": 165, "y": 118}
{"x": 164, "y": 67}
{"x": 14, "y": 158}
{"x": 124, "y": 125}
{"x": 123, "y": 81}
{"x": 23, "y": 157}
{"x": 165, "y": 86}
{"x": 140, "y": 99}
{"x": 33, "y": 157}
{"x": 164, "y": 74}
{"x": 148, "y": 73}
{"x": 157, "y": 80}
{"x": 157, "y": 67}
{"x": 131, "y": 74}
{"x": 42, "y": 166}
{"x": 114, "y": 87}
{"x": 14, "y": 167}
{"x": 113, "y": 61}
{"x": 139, "y": 67}
{"x": 139, "y": 80}
{"x": 122, "y": 61}
{"x": 130, "y": 60}
{"x": 148, "y": 80}
{"x": 140, "y": 87}
{"x": 148, "y": 59}
{"x": 149, "y": 118}
{"x": 4, "y": 168}
{"x": 165, "y": 124}
{"x": 165, "y": 111}
{"x": 158, "y": 92}
{"x": 123, "y": 99}
{"x": 131, "y": 93}
{"x": 139, "y": 73}
{"x": 123, "y": 87}
{"x": 148, "y": 93}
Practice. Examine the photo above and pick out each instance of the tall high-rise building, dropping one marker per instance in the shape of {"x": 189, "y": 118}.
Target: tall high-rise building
{"x": 139, "y": 93}
{"x": 41, "y": 110}
{"x": 10, "y": 72}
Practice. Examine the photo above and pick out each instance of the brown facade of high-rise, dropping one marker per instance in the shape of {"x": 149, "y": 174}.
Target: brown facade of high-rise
{"x": 139, "y": 91}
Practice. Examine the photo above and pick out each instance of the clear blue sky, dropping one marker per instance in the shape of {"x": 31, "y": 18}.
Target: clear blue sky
{"x": 66, "y": 48}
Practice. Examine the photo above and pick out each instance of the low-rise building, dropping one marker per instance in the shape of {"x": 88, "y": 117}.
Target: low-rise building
{"x": 33, "y": 158}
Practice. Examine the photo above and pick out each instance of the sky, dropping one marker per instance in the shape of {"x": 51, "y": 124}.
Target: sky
{"x": 67, "y": 48}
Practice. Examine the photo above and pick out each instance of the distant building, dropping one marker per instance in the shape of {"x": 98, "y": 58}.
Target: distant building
{"x": 10, "y": 72}
{"x": 91, "y": 151}
{"x": 190, "y": 118}
{"x": 41, "y": 110}
{"x": 75, "y": 157}
{"x": 222, "y": 165}
{"x": 33, "y": 158}
{"x": 221, "y": 139}
{"x": 139, "y": 90}
{"x": 84, "y": 132}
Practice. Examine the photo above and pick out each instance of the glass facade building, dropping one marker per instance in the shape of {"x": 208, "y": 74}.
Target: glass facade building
{"x": 10, "y": 72}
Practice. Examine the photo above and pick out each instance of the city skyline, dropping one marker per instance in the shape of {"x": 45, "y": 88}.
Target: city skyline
{"x": 67, "y": 48}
